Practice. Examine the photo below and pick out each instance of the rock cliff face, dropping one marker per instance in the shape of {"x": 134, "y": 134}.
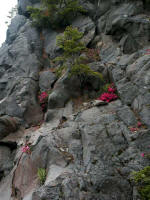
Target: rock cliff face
{"x": 88, "y": 151}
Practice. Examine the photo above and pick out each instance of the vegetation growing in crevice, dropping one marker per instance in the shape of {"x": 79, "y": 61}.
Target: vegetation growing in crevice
{"x": 43, "y": 99}
{"x": 142, "y": 180}
{"x": 55, "y": 13}
{"x": 72, "y": 47}
{"x": 41, "y": 175}
{"x": 59, "y": 71}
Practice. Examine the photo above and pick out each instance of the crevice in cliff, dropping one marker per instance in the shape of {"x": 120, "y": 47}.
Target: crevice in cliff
{"x": 10, "y": 145}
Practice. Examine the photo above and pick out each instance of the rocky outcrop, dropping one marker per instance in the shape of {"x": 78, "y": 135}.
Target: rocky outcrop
{"x": 88, "y": 149}
{"x": 20, "y": 64}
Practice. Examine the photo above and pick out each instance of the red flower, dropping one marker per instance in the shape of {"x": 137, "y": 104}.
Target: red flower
{"x": 139, "y": 124}
{"x": 133, "y": 129}
{"x": 43, "y": 97}
{"x": 111, "y": 90}
{"x": 26, "y": 149}
{"x": 108, "y": 97}
{"x": 142, "y": 154}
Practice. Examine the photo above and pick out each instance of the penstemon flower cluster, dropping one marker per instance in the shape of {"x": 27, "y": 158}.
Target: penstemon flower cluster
{"x": 109, "y": 95}
{"x": 26, "y": 149}
{"x": 43, "y": 98}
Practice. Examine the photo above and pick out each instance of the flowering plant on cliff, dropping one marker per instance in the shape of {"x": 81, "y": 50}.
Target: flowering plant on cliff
{"x": 134, "y": 129}
{"x": 26, "y": 149}
{"x": 109, "y": 95}
{"x": 43, "y": 98}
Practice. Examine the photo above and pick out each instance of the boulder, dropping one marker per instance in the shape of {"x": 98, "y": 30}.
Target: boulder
{"x": 7, "y": 125}
{"x": 46, "y": 80}
{"x": 50, "y": 46}
{"x": 87, "y": 26}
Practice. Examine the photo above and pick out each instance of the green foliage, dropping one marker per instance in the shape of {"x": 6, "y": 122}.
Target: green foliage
{"x": 105, "y": 87}
{"x": 59, "y": 71}
{"x": 70, "y": 43}
{"x": 54, "y": 13}
{"x": 39, "y": 18}
{"x": 142, "y": 179}
{"x": 70, "y": 11}
{"x": 41, "y": 175}
{"x": 83, "y": 70}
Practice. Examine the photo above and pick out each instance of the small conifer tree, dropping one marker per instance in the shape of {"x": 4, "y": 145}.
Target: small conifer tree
{"x": 72, "y": 47}
{"x": 55, "y": 13}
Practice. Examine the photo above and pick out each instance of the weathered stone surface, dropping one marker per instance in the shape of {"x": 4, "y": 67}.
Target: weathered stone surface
{"x": 50, "y": 46}
{"x": 14, "y": 27}
{"x": 6, "y": 161}
{"x": 7, "y": 125}
{"x": 129, "y": 30}
{"x": 127, "y": 92}
{"x": 98, "y": 146}
{"x": 19, "y": 75}
{"x": 89, "y": 154}
{"x": 46, "y": 79}
{"x": 23, "y": 4}
{"x": 127, "y": 116}
{"x": 85, "y": 25}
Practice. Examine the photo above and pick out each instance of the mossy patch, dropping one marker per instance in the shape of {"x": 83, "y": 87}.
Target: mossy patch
{"x": 142, "y": 180}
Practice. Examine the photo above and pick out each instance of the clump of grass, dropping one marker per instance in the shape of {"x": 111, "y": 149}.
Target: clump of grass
{"x": 41, "y": 175}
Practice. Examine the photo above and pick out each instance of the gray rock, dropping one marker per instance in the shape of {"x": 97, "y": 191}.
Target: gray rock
{"x": 85, "y": 25}
{"x": 46, "y": 80}
{"x": 58, "y": 98}
{"x": 127, "y": 116}
{"x": 65, "y": 88}
{"x": 19, "y": 76}
{"x": 14, "y": 27}
{"x": 131, "y": 32}
{"x": 127, "y": 92}
{"x": 98, "y": 103}
{"x": 50, "y": 43}
{"x": 7, "y": 126}
{"x": 145, "y": 115}
{"x": 99, "y": 67}
{"x": 89, "y": 154}
{"x": 23, "y": 4}
{"x": 6, "y": 161}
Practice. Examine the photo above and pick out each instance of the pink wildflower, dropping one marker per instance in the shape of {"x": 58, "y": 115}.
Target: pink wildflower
{"x": 111, "y": 90}
{"x": 25, "y": 149}
{"x": 139, "y": 124}
{"x": 142, "y": 154}
{"x": 108, "y": 97}
{"x": 43, "y": 97}
{"x": 133, "y": 129}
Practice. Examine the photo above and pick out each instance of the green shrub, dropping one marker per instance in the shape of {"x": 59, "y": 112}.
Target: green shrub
{"x": 41, "y": 175}
{"x": 71, "y": 43}
{"x": 72, "y": 47}
{"x": 55, "y": 13}
{"x": 39, "y": 19}
{"x": 142, "y": 180}
{"x": 84, "y": 72}
{"x": 59, "y": 71}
